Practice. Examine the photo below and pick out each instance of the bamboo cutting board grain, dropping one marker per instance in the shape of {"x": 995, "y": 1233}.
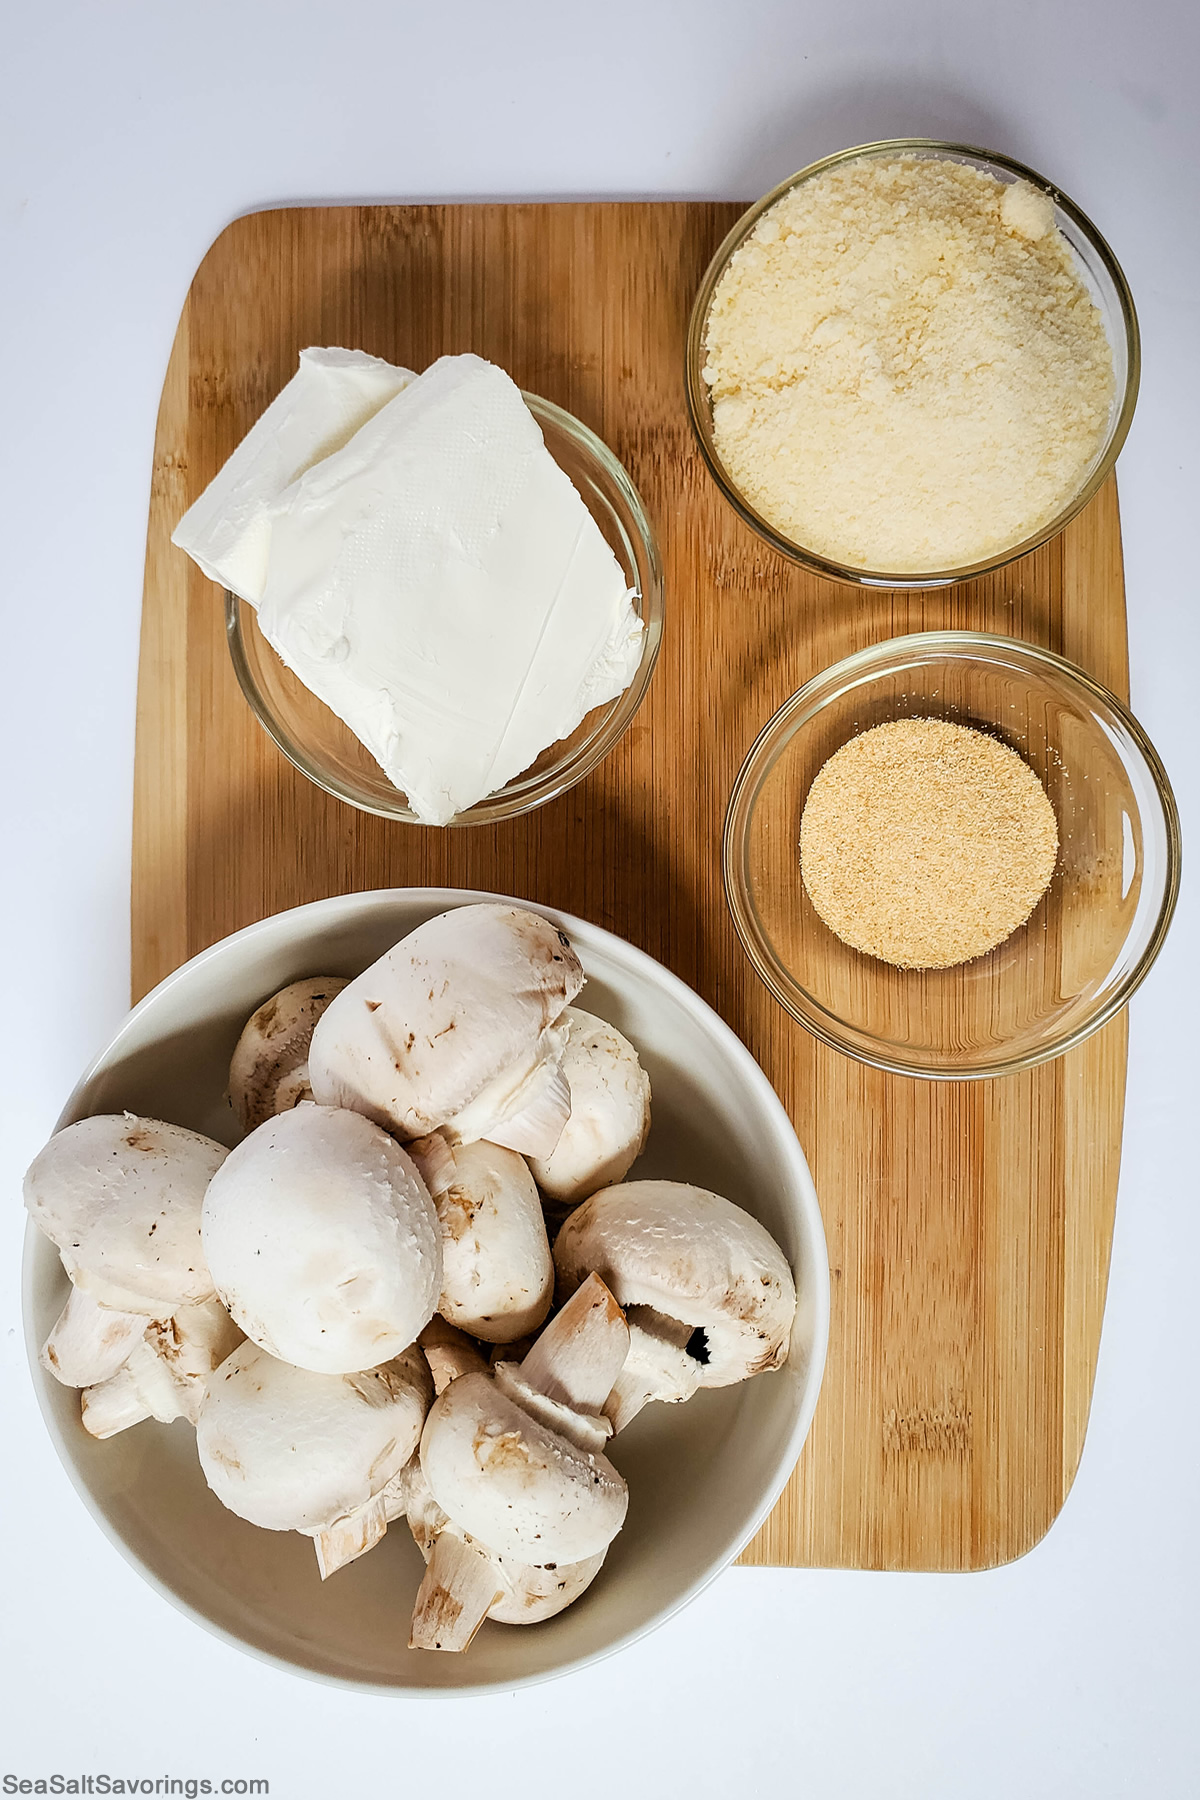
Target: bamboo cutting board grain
{"x": 968, "y": 1224}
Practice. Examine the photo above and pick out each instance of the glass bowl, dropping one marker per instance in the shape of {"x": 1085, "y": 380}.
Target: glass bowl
{"x": 327, "y": 751}
{"x": 1097, "y": 268}
{"x": 1088, "y": 943}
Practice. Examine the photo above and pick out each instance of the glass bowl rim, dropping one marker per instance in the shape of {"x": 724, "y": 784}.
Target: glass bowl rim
{"x": 881, "y": 658}
{"x": 700, "y": 411}
{"x": 524, "y": 794}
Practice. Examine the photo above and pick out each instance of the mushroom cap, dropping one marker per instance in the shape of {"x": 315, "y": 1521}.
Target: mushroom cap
{"x": 121, "y": 1197}
{"x": 323, "y": 1242}
{"x": 291, "y": 1450}
{"x": 512, "y": 1483}
{"x": 609, "y": 1120}
{"x": 692, "y": 1256}
{"x": 497, "y": 1271}
{"x": 269, "y": 1070}
{"x": 537, "y": 1593}
{"x": 456, "y": 1027}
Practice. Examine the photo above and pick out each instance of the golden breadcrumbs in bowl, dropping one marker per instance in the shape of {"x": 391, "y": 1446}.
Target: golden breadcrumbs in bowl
{"x": 1050, "y": 962}
{"x": 926, "y": 843}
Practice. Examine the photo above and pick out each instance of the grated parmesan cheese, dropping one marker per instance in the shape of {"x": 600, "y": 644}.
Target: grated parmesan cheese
{"x": 907, "y": 372}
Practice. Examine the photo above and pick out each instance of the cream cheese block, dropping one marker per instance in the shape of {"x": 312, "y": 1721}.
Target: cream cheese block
{"x": 228, "y": 529}
{"x": 439, "y": 583}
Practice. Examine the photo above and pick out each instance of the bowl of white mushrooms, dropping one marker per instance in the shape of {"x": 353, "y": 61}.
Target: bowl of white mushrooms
{"x": 412, "y": 1314}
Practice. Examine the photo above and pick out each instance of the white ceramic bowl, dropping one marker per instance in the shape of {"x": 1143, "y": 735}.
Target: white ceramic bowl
{"x": 702, "y": 1477}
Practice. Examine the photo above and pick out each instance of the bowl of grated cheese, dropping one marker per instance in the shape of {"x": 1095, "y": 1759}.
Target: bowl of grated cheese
{"x": 1071, "y": 950}
{"x": 911, "y": 363}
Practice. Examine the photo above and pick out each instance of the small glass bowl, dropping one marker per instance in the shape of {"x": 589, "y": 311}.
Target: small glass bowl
{"x": 1100, "y": 273}
{"x": 1088, "y": 943}
{"x": 327, "y": 751}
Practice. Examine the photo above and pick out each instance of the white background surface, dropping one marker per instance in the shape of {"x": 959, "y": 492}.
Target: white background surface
{"x": 130, "y": 134}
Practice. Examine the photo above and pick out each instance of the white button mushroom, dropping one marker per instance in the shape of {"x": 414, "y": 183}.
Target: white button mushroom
{"x": 610, "y": 1113}
{"x": 451, "y": 1607}
{"x": 269, "y": 1071}
{"x": 459, "y": 1027}
{"x": 291, "y": 1450}
{"x": 120, "y": 1197}
{"x": 497, "y": 1271}
{"x": 323, "y": 1241}
{"x": 515, "y": 1479}
{"x": 692, "y": 1260}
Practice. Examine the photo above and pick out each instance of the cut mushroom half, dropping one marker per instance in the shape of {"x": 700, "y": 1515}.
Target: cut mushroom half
{"x": 497, "y": 1271}
{"x": 323, "y": 1241}
{"x": 513, "y": 1466}
{"x": 710, "y": 1296}
{"x": 458, "y": 1028}
{"x": 120, "y": 1197}
{"x": 291, "y": 1450}
{"x": 269, "y": 1071}
{"x": 609, "y": 1120}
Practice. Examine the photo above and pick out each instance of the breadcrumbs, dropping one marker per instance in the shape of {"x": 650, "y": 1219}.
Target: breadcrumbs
{"x": 926, "y": 844}
{"x": 907, "y": 372}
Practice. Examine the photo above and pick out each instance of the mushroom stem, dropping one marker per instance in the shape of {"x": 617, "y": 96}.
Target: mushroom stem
{"x": 578, "y": 1357}
{"x": 658, "y": 1366}
{"x": 190, "y": 1345}
{"x": 90, "y": 1342}
{"x": 113, "y": 1405}
{"x": 352, "y": 1535}
{"x": 143, "y": 1388}
{"x": 459, "y": 1587}
{"x": 449, "y": 1353}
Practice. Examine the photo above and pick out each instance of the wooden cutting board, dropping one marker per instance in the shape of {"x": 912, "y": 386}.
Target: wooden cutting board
{"x": 969, "y": 1224}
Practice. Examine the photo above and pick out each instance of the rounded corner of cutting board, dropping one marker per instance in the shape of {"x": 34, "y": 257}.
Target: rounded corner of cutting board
{"x": 945, "y": 1437}
{"x": 225, "y": 246}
